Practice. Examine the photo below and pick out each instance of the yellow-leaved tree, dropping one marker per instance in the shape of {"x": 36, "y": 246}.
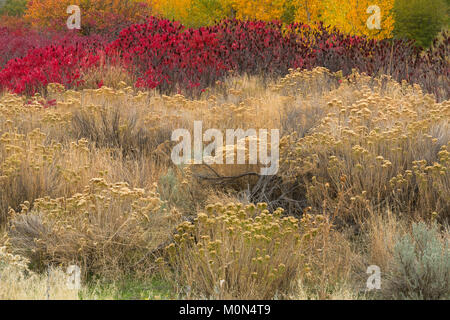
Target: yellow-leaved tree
{"x": 204, "y": 12}
{"x": 308, "y": 11}
{"x": 207, "y": 12}
{"x": 350, "y": 16}
{"x": 372, "y": 18}
{"x": 266, "y": 10}
{"x": 173, "y": 9}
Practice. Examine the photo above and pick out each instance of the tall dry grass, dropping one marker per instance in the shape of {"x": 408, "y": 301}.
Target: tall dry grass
{"x": 370, "y": 155}
{"x": 18, "y": 282}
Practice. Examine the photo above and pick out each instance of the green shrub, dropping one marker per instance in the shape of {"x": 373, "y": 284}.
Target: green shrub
{"x": 13, "y": 7}
{"x": 420, "y": 20}
{"x": 421, "y": 265}
{"x": 175, "y": 192}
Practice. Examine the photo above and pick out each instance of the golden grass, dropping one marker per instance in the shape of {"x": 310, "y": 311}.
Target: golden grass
{"x": 107, "y": 229}
{"x": 369, "y": 155}
{"x": 241, "y": 252}
{"x": 17, "y": 282}
{"x": 380, "y": 144}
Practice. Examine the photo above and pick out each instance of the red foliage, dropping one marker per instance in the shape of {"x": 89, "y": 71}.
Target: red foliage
{"x": 167, "y": 56}
{"x": 60, "y": 63}
{"x": 16, "y": 43}
{"x": 258, "y": 47}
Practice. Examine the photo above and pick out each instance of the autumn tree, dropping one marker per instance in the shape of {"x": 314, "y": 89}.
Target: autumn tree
{"x": 97, "y": 15}
{"x": 265, "y": 10}
{"x": 207, "y": 12}
{"x": 195, "y": 13}
{"x": 308, "y": 11}
{"x": 353, "y": 17}
{"x": 173, "y": 9}
{"x": 350, "y": 16}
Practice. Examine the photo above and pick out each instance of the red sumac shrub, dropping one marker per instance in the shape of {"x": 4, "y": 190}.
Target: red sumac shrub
{"x": 61, "y": 63}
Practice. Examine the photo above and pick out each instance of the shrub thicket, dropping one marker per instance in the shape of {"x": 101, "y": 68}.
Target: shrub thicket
{"x": 107, "y": 229}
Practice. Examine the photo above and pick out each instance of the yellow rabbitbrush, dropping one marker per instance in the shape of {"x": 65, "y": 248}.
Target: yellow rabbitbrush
{"x": 107, "y": 229}
{"x": 241, "y": 251}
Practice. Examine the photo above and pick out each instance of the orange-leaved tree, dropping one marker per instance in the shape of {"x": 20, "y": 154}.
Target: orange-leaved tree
{"x": 96, "y": 15}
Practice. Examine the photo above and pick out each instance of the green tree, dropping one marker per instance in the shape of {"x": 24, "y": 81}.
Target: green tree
{"x": 420, "y": 20}
{"x": 206, "y": 12}
{"x": 13, "y": 7}
{"x": 289, "y": 11}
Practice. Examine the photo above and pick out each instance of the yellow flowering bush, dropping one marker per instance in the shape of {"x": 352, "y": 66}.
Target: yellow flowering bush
{"x": 25, "y": 157}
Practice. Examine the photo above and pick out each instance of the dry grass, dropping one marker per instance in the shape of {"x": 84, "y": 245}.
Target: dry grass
{"x": 109, "y": 75}
{"x": 330, "y": 263}
{"x": 342, "y": 292}
{"x": 382, "y": 232}
{"x": 108, "y": 229}
{"x": 17, "y": 282}
{"x": 380, "y": 144}
{"x": 369, "y": 155}
{"x": 241, "y": 252}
